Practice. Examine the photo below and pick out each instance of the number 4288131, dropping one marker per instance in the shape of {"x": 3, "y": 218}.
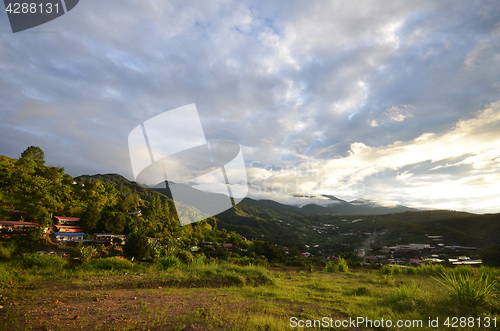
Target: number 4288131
{"x": 486, "y": 322}
{"x": 32, "y": 8}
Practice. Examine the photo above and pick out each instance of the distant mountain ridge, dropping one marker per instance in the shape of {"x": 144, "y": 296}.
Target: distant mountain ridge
{"x": 337, "y": 206}
{"x": 294, "y": 226}
{"x": 358, "y": 206}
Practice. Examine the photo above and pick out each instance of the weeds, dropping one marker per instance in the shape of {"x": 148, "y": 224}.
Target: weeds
{"x": 405, "y": 298}
{"x": 170, "y": 262}
{"x": 108, "y": 263}
{"x": 472, "y": 294}
{"x": 342, "y": 265}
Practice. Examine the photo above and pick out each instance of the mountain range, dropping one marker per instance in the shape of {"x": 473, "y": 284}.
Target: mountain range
{"x": 327, "y": 226}
{"x": 359, "y": 206}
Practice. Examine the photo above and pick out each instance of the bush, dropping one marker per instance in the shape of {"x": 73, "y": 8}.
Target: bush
{"x": 342, "y": 265}
{"x": 184, "y": 256}
{"x": 407, "y": 298}
{"x": 108, "y": 263}
{"x": 87, "y": 253}
{"x": 170, "y": 262}
{"x": 7, "y": 249}
{"x": 387, "y": 270}
{"x": 362, "y": 291}
{"x": 330, "y": 267}
{"x": 29, "y": 261}
{"x": 473, "y": 295}
{"x": 136, "y": 246}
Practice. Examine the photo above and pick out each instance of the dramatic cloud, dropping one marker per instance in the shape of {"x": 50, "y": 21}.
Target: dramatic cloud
{"x": 469, "y": 151}
{"x": 385, "y": 100}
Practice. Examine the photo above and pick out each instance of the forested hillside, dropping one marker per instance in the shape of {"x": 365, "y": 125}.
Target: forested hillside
{"x": 41, "y": 191}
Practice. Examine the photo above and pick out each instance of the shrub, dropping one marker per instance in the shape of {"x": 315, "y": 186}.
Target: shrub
{"x": 473, "y": 295}
{"x": 170, "y": 262}
{"x": 330, "y": 267}
{"x": 7, "y": 249}
{"x": 387, "y": 270}
{"x": 87, "y": 253}
{"x": 136, "y": 246}
{"x": 362, "y": 290}
{"x": 405, "y": 298}
{"x": 184, "y": 256}
{"x": 29, "y": 261}
{"x": 342, "y": 265}
{"x": 388, "y": 279}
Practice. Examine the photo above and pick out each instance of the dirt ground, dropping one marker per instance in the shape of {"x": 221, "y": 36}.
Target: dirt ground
{"x": 74, "y": 307}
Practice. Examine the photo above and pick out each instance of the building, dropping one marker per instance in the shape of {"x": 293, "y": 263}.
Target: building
{"x": 67, "y": 228}
{"x": 69, "y": 236}
{"x": 107, "y": 238}
{"x": 135, "y": 212}
{"x": 63, "y": 220}
{"x": 9, "y": 227}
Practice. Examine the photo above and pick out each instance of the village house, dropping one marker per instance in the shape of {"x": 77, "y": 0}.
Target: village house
{"x": 107, "y": 238}
{"x": 63, "y": 220}
{"x": 14, "y": 226}
{"x": 69, "y": 236}
{"x": 67, "y": 228}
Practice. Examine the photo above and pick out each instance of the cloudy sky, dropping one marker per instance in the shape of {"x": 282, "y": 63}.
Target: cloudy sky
{"x": 397, "y": 101}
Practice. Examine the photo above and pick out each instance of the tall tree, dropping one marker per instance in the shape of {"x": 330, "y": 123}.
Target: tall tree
{"x": 90, "y": 218}
{"x": 34, "y": 153}
{"x": 136, "y": 245}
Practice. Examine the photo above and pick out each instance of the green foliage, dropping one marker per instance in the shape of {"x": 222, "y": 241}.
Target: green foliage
{"x": 39, "y": 261}
{"x": 184, "y": 256}
{"x": 387, "y": 270}
{"x": 34, "y": 235}
{"x": 361, "y": 291}
{"x": 342, "y": 265}
{"x": 330, "y": 267}
{"x": 407, "y": 298}
{"x": 473, "y": 294}
{"x": 7, "y": 249}
{"x": 170, "y": 262}
{"x": 491, "y": 256}
{"x": 90, "y": 218}
{"x": 87, "y": 252}
{"x": 136, "y": 246}
{"x": 34, "y": 153}
{"x": 111, "y": 222}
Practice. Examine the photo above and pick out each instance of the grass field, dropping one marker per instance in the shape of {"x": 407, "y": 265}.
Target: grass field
{"x": 46, "y": 293}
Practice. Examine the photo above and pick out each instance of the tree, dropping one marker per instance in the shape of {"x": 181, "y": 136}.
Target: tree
{"x": 90, "y": 218}
{"x": 136, "y": 245}
{"x": 34, "y": 235}
{"x": 111, "y": 222}
{"x": 491, "y": 256}
{"x": 34, "y": 153}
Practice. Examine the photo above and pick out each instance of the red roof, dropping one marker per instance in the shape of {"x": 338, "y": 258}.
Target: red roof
{"x": 228, "y": 245}
{"x": 67, "y": 218}
{"x": 10, "y": 223}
